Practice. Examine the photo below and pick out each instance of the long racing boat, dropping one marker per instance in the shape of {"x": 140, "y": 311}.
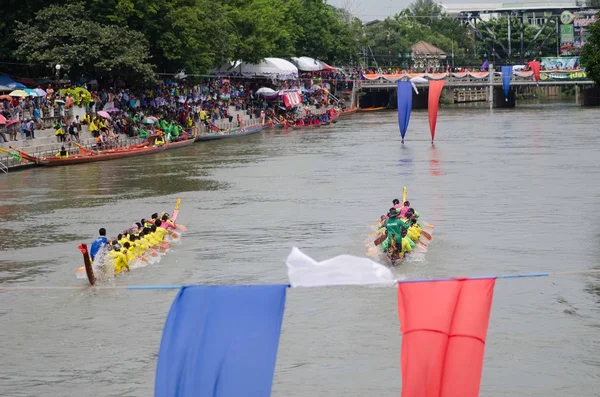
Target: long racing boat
{"x": 233, "y": 133}
{"x": 394, "y": 254}
{"x": 90, "y": 156}
{"x": 104, "y": 267}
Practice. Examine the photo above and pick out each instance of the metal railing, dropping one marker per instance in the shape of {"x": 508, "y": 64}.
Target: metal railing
{"x": 3, "y": 167}
{"x": 470, "y": 81}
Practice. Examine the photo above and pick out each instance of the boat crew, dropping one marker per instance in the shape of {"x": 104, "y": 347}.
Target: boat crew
{"x": 98, "y": 243}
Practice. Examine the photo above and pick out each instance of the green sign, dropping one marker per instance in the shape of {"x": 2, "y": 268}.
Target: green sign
{"x": 563, "y": 76}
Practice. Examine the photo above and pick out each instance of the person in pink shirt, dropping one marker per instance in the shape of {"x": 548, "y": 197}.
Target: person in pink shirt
{"x": 396, "y": 204}
{"x": 405, "y": 209}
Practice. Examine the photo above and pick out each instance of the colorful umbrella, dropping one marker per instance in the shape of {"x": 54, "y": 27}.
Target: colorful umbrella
{"x": 18, "y": 93}
{"x": 111, "y": 109}
{"x": 40, "y": 92}
{"x": 2, "y": 97}
{"x": 31, "y": 92}
{"x": 102, "y": 113}
{"x": 147, "y": 120}
{"x": 60, "y": 101}
{"x": 2, "y": 119}
{"x": 153, "y": 118}
{"x": 12, "y": 122}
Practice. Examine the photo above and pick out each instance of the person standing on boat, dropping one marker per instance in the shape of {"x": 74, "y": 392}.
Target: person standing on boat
{"x": 393, "y": 227}
{"x": 98, "y": 243}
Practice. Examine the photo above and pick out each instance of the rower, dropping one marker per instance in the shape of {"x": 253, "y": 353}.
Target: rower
{"x": 404, "y": 209}
{"x": 98, "y": 243}
{"x": 396, "y": 203}
{"x": 159, "y": 141}
{"x": 393, "y": 227}
{"x": 63, "y": 154}
{"x": 120, "y": 259}
{"x": 407, "y": 243}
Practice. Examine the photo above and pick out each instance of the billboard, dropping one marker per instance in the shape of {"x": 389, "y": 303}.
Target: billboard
{"x": 573, "y": 30}
{"x": 559, "y": 63}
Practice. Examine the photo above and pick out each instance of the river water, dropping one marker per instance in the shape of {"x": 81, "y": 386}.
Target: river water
{"x": 509, "y": 191}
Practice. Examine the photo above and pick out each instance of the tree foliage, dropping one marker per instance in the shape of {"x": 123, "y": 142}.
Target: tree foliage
{"x": 496, "y": 45}
{"x": 66, "y": 35}
{"x": 590, "y": 52}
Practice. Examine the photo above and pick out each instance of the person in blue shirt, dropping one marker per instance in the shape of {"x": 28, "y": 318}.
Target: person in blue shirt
{"x": 98, "y": 243}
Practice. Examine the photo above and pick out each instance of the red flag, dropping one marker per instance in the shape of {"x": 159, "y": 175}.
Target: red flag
{"x": 435, "y": 90}
{"x": 535, "y": 67}
{"x": 444, "y": 325}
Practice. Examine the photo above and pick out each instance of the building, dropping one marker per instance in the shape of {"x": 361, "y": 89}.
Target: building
{"x": 534, "y": 12}
{"x": 427, "y": 57}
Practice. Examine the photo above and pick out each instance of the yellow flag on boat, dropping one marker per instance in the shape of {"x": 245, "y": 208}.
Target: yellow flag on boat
{"x": 404, "y": 195}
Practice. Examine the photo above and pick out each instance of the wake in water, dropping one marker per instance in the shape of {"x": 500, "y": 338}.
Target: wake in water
{"x": 104, "y": 265}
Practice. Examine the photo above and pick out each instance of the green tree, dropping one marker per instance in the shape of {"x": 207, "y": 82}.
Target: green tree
{"x": 590, "y": 52}
{"x": 496, "y": 45}
{"x": 67, "y": 36}
{"x": 324, "y": 33}
{"x": 183, "y": 34}
{"x": 261, "y": 28}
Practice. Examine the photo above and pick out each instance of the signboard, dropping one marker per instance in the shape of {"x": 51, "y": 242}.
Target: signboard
{"x": 559, "y": 63}
{"x": 563, "y": 76}
{"x": 573, "y": 30}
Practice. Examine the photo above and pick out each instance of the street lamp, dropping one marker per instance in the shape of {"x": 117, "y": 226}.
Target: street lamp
{"x": 57, "y": 67}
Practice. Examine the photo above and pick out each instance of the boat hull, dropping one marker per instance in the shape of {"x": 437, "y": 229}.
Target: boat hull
{"x": 113, "y": 154}
{"x": 242, "y": 132}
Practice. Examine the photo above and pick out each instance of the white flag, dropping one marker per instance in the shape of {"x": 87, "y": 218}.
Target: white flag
{"x": 303, "y": 271}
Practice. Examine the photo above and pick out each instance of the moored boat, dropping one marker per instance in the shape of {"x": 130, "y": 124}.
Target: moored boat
{"x": 373, "y": 109}
{"x": 90, "y": 156}
{"x": 230, "y": 134}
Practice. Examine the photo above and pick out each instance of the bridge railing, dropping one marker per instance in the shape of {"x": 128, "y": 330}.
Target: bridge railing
{"x": 480, "y": 79}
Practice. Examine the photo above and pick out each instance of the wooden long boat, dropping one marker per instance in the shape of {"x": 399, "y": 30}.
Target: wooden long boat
{"x": 347, "y": 112}
{"x": 111, "y": 154}
{"x": 373, "y": 109}
{"x": 241, "y": 132}
{"x": 162, "y": 248}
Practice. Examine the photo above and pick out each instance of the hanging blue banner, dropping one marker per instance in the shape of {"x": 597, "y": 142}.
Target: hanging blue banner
{"x": 507, "y": 72}
{"x": 405, "y": 91}
{"x": 221, "y": 341}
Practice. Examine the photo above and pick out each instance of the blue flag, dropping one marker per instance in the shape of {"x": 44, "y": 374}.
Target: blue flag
{"x": 405, "y": 91}
{"x": 507, "y": 72}
{"x": 220, "y": 341}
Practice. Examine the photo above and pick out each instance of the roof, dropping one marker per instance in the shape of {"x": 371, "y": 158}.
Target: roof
{"x": 510, "y": 6}
{"x": 422, "y": 47}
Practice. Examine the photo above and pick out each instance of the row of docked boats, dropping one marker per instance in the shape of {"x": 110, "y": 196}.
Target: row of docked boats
{"x": 152, "y": 145}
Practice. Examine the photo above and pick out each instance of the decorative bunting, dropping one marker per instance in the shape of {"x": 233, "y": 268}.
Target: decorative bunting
{"x": 535, "y": 68}
{"x": 221, "y": 341}
{"x": 404, "y": 105}
{"x": 435, "y": 91}
{"x": 506, "y": 78}
{"x": 444, "y": 325}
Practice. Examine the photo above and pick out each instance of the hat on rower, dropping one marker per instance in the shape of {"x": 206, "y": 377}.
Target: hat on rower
{"x": 392, "y": 213}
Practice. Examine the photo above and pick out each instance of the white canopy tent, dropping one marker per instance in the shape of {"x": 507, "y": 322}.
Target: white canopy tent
{"x": 275, "y": 68}
{"x": 307, "y": 64}
{"x": 270, "y": 67}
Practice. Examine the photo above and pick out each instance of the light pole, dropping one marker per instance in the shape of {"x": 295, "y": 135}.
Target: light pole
{"x": 57, "y": 67}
